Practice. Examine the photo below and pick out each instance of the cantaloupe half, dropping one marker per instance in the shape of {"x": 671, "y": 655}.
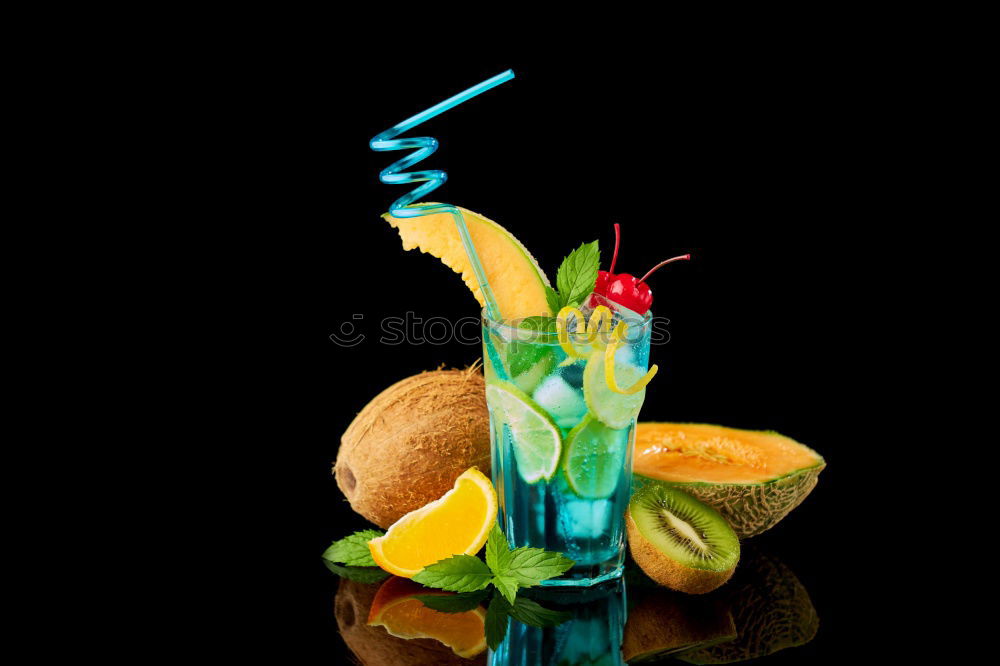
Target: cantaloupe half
{"x": 517, "y": 281}
{"x": 754, "y": 479}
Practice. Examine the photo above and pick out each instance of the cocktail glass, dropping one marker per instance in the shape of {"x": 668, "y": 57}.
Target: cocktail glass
{"x": 562, "y": 438}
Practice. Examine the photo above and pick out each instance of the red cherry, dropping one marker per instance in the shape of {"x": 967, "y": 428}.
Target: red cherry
{"x": 601, "y": 286}
{"x": 605, "y": 277}
{"x": 624, "y": 289}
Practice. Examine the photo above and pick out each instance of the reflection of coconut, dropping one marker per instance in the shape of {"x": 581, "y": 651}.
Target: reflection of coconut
{"x": 664, "y": 622}
{"x": 771, "y": 609}
{"x": 374, "y": 646}
{"x": 411, "y": 442}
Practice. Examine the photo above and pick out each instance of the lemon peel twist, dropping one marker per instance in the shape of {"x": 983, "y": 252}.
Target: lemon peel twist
{"x": 617, "y": 337}
{"x": 600, "y": 322}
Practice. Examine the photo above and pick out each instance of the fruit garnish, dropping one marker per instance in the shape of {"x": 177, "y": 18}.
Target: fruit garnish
{"x": 576, "y": 277}
{"x": 626, "y": 289}
{"x": 537, "y": 440}
{"x": 754, "y": 479}
{"x": 593, "y": 458}
{"x": 599, "y": 324}
{"x": 397, "y": 608}
{"x": 680, "y": 542}
{"x": 617, "y": 338}
{"x": 457, "y": 523}
{"x": 588, "y": 332}
{"x": 615, "y": 409}
{"x": 518, "y": 284}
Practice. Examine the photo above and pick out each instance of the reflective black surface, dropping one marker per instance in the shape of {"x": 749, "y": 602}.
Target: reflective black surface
{"x": 763, "y": 613}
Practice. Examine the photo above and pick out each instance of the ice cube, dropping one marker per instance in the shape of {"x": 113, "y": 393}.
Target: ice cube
{"x": 584, "y": 519}
{"x": 563, "y": 402}
{"x": 619, "y": 311}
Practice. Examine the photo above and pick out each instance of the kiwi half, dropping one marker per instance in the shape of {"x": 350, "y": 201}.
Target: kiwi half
{"x": 680, "y": 542}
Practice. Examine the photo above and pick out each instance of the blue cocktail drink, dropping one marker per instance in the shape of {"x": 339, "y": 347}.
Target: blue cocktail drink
{"x": 563, "y": 405}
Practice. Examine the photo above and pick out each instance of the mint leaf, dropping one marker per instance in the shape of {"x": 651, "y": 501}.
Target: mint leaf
{"x": 359, "y": 574}
{"x": 577, "y": 274}
{"x": 454, "y": 603}
{"x": 522, "y": 357}
{"x": 529, "y": 612}
{"x": 497, "y": 550}
{"x": 554, "y": 301}
{"x": 353, "y": 550}
{"x": 458, "y": 573}
{"x": 507, "y": 586}
{"x": 539, "y": 323}
{"x": 497, "y": 620}
{"x": 530, "y": 566}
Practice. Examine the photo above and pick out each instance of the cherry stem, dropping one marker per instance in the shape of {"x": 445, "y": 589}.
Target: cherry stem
{"x": 618, "y": 238}
{"x": 662, "y": 264}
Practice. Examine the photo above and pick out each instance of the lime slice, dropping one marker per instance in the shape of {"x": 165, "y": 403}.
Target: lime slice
{"x": 537, "y": 441}
{"x": 595, "y": 455}
{"x": 613, "y": 409}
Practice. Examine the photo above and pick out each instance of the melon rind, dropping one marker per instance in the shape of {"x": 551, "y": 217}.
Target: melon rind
{"x": 751, "y": 508}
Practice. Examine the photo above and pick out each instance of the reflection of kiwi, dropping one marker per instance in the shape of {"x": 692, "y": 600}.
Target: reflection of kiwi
{"x": 664, "y": 622}
{"x": 771, "y": 609}
{"x": 680, "y": 542}
{"x": 374, "y": 646}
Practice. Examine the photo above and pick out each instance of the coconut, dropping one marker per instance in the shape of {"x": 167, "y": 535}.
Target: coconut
{"x": 410, "y": 443}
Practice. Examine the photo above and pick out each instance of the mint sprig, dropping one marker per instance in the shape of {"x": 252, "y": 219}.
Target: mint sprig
{"x": 575, "y": 278}
{"x": 454, "y": 603}
{"x": 469, "y": 577}
{"x": 458, "y": 573}
{"x": 497, "y": 620}
{"x": 554, "y": 300}
{"x": 530, "y": 566}
{"x": 497, "y": 549}
{"x": 505, "y": 569}
{"x": 531, "y": 613}
{"x": 359, "y": 574}
{"x": 353, "y": 550}
{"x": 523, "y": 610}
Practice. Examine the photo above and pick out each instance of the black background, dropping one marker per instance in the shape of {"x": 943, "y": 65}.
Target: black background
{"x": 770, "y": 171}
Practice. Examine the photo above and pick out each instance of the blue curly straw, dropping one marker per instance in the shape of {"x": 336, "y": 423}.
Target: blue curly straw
{"x": 425, "y": 147}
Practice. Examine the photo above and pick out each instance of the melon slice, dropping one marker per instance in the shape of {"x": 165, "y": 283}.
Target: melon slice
{"x": 754, "y": 479}
{"x": 518, "y": 282}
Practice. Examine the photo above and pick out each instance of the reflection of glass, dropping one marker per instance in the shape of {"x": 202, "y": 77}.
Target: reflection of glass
{"x": 591, "y": 638}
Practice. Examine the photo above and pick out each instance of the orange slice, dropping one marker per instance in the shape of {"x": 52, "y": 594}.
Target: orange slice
{"x": 456, "y": 524}
{"x": 396, "y": 608}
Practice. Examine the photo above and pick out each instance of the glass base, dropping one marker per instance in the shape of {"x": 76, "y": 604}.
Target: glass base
{"x": 585, "y": 577}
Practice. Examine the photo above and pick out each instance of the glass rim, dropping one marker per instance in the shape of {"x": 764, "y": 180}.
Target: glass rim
{"x": 513, "y": 332}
